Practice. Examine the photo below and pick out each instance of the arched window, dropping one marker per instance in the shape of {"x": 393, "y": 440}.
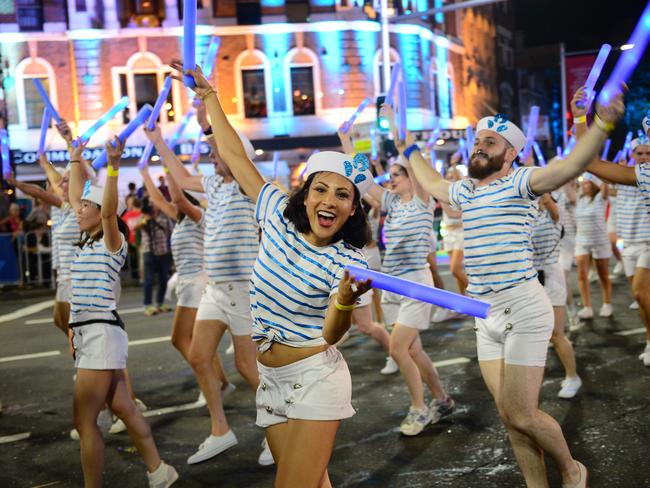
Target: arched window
{"x": 378, "y": 68}
{"x": 30, "y": 104}
{"x": 141, "y": 80}
{"x": 252, "y": 81}
{"x": 302, "y": 75}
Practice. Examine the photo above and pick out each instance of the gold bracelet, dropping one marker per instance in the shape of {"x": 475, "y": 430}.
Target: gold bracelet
{"x": 343, "y": 308}
{"x": 206, "y": 94}
{"x": 580, "y": 120}
{"x": 112, "y": 171}
{"x": 605, "y": 126}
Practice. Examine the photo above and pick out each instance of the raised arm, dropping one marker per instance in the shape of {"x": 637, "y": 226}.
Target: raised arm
{"x": 155, "y": 196}
{"x": 182, "y": 203}
{"x": 77, "y": 176}
{"x": 183, "y": 177}
{"x": 112, "y": 237}
{"x": 339, "y": 313}
{"x": 346, "y": 140}
{"x": 36, "y": 192}
{"x": 52, "y": 174}
{"x": 230, "y": 146}
{"x": 550, "y": 205}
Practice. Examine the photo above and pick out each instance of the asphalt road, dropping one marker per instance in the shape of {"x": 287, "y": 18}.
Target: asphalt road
{"x": 606, "y": 424}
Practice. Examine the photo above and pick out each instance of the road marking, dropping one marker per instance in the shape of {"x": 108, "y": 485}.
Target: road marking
{"x": 25, "y": 311}
{"x": 30, "y": 356}
{"x": 49, "y": 319}
{"x": 51, "y": 483}
{"x": 449, "y": 362}
{"x": 153, "y": 340}
{"x": 176, "y": 408}
{"x": 640, "y": 330}
{"x": 16, "y": 437}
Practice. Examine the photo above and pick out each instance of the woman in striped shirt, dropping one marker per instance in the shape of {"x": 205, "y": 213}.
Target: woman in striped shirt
{"x": 99, "y": 339}
{"x": 301, "y": 298}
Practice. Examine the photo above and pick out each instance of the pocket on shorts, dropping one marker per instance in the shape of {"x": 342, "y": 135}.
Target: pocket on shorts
{"x": 327, "y": 384}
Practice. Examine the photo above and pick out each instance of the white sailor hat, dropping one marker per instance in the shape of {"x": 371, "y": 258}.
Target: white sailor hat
{"x": 646, "y": 123}
{"x": 506, "y": 129}
{"x": 355, "y": 168}
{"x": 639, "y": 141}
{"x": 593, "y": 178}
{"x": 95, "y": 194}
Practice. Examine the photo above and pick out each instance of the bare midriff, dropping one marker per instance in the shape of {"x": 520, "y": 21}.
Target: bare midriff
{"x": 279, "y": 355}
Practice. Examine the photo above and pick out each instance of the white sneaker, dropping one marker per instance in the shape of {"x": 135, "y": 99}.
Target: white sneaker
{"x": 606, "y": 310}
{"x": 634, "y": 305}
{"x": 212, "y": 446}
{"x": 266, "y": 456}
{"x": 618, "y": 269}
{"x": 227, "y": 391}
{"x": 391, "y": 366}
{"x": 201, "y": 401}
{"x": 231, "y": 349}
{"x": 585, "y": 313}
{"x": 163, "y": 477}
{"x": 119, "y": 426}
{"x": 415, "y": 421}
{"x": 593, "y": 276}
{"x": 645, "y": 355}
{"x": 104, "y": 421}
{"x": 442, "y": 314}
{"x": 570, "y": 387}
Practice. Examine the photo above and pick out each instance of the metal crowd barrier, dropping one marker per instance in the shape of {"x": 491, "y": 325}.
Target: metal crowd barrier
{"x": 24, "y": 261}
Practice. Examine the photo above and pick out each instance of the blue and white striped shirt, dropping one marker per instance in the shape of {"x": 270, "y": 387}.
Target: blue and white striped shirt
{"x": 497, "y": 221}
{"x": 67, "y": 236}
{"x": 567, "y": 214}
{"x": 187, "y": 246}
{"x": 590, "y": 220}
{"x": 293, "y": 280}
{"x": 408, "y": 228}
{"x": 231, "y": 233}
{"x": 643, "y": 182}
{"x": 55, "y": 216}
{"x": 96, "y": 284}
{"x": 632, "y": 219}
{"x": 545, "y": 238}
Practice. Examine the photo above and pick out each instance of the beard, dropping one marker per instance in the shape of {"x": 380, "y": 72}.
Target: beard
{"x": 481, "y": 171}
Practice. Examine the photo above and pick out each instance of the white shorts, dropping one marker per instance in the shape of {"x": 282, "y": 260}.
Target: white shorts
{"x": 555, "y": 284}
{"x": 636, "y": 255}
{"x": 63, "y": 289}
{"x": 597, "y": 251}
{"x": 453, "y": 240}
{"x": 518, "y": 326}
{"x": 316, "y": 388}
{"x": 189, "y": 290}
{"x": 229, "y": 303}
{"x": 567, "y": 252}
{"x": 373, "y": 257}
{"x": 399, "y": 309}
{"x": 100, "y": 346}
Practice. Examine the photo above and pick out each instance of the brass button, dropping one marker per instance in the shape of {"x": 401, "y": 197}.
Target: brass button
{"x": 508, "y": 326}
{"x": 476, "y": 328}
{"x": 507, "y": 311}
{"x": 289, "y": 401}
{"x": 269, "y": 409}
{"x": 297, "y": 386}
{"x": 232, "y": 304}
{"x": 263, "y": 387}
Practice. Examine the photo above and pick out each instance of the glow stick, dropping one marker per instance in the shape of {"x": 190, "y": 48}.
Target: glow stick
{"x": 196, "y": 150}
{"x": 45, "y": 124}
{"x": 533, "y": 117}
{"x": 617, "y": 157}
{"x": 4, "y": 153}
{"x": 179, "y": 132}
{"x": 211, "y": 57}
{"x": 117, "y": 108}
{"x": 189, "y": 40}
{"x": 403, "y": 107}
{"x": 139, "y": 119}
{"x": 469, "y": 134}
{"x": 596, "y": 69}
{"x": 162, "y": 98}
{"x": 463, "y": 150}
{"x": 146, "y": 154}
{"x": 626, "y": 145}
{"x": 46, "y": 100}
{"x": 382, "y": 178}
{"x": 605, "y": 152}
{"x": 628, "y": 59}
{"x": 558, "y": 151}
{"x": 424, "y": 293}
{"x": 348, "y": 124}
{"x": 390, "y": 94}
{"x": 276, "y": 162}
{"x": 373, "y": 143}
{"x": 433, "y": 138}
{"x": 539, "y": 154}
{"x": 639, "y": 133}
{"x": 569, "y": 146}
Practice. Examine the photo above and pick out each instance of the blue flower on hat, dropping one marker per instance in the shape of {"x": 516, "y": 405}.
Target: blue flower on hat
{"x": 500, "y": 120}
{"x": 359, "y": 163}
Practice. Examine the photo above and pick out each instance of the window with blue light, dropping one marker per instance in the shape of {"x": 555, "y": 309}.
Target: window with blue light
{"x": 302, "y": 90}
{"x": 254, "y": 89}
{"x": 33, "y": 102}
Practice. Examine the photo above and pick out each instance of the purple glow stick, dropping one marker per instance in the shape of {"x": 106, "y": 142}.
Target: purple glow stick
{"x": 390, "y": 94}
{"x": 117, "y": 108}
{"x": 146, "y": 154}
{"x": 348, "y": 124}
{"x": 276, "y": 162}
{"x": 181, "y": 128}
{"x": 373, "y": 143}
{"x": 403, "y": 106}
{"x": 558, "y": 151}
{"x": 46, "y": 100}
{"x": 189, "y": 40}
{"x": 605, "y": 152}
{"x": 617, "y": 157}
{"x": 4, "y": 153}
{"x": 469, "y": 134}
{"x": 45, "y": 124}
{"x": 533, "y": 117}
{"x": 424, "y": 293}
{"x": 382, "y": 178}
{"x": 211, "y": 57}
{"x": 628, "y": 59}
{"x": 139, "y": 119}
{"x": 196, "y": 150}
{"x": 594, "y": 74}
{"x": 162, "y": 99}
{"x": 539, "y": 154}
{"x": 433, "y": 138}
{"x": 627, "y": 144}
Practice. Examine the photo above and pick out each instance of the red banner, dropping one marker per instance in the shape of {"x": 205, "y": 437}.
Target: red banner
{"x": 577, "y": 71}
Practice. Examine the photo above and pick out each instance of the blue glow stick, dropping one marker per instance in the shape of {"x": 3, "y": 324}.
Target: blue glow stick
{"x": 605, "y": 152}
{"x": 403, "y": 106}
{"x": 639, "y": 133}
{"x": 463, "y": 150}
{"x": 45, "y": 124}
{"x": 424, "y": 293}
{"x": 189, "y": 40}
{"x": 4, "y": 153}
{"x": 373, "y": 143}
{"x": 146, "y": 154}
{"x": 569, "y": 146}
{"x": 533, "y": 117}
{"x": 46, "y": 100}
{"x": 390, "y": 94}
{"x": 617, "y": 157}
{"x": 469, "y": 134}
{"x": 433, "y": 138}
{"x": 539, "y": 154}
{"x": 626, "y": 145}
{"x": 276, "y": 162}
{"x": 160, "y": 101}
{"x": 139, "y": 119}
{"x": 117, "y": 108}
{"x": 181, "y": 128}
{"x": 594, "y": 74}
{"x": 382, "y": 178}
{"x": 196, "y": 150}
{"x": 211, "y": 57}
{"x": 628, "y": 59}
{"x": 558, "y": 151}
{"x": 348, "y": 124}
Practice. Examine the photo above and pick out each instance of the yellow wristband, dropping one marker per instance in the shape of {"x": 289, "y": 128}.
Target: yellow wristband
{"x": 605, "y": 126}
{"x": 112, "y": 171}
{"x": 165, "y": 169}
{"x": 580, "y": 120}
{"x": 343, "y": 308}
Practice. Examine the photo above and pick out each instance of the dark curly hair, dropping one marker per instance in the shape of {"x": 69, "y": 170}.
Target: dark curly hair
{"x": 355, "y": 231}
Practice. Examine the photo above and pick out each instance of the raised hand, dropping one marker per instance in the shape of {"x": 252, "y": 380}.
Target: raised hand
{"x": 202, "y": 83}
{"x": 579, "y": 102}
{"x": 350, "y": 289}
{"x": 114, "y": 151}
{"x": 64, "y": 131}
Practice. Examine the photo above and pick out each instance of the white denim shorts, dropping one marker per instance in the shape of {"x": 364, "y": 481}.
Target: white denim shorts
{"x": 636, "y": 255}
{"x": 189, "y": 290}
{"x": 453, "y": 240}
{"x": 373, "y": 257}
{"x": 555, "y": 284}
{"x": 316, "y": 388}
{"x": 229, "y": 303}
{"x": 100, "y": 346}
{"x": 518, "y": 326}
{"x": 601, "y": 250}
{"x": 402, "y": 310}
{"x": 567, "y": 252}
{"x": 63, "y": 290}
